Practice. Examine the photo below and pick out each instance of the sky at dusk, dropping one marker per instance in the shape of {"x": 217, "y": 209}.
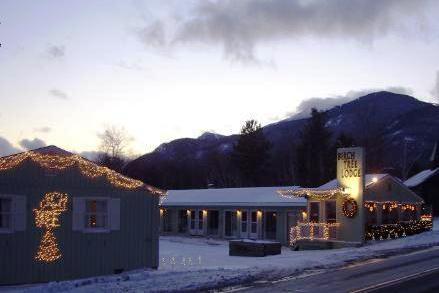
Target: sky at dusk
{"x": 170, "y": 69}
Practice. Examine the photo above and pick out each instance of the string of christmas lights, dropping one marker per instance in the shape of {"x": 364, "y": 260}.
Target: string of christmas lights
{"x": 392, "y": 231}
{"x": 313, "y": 231}
{"x": 87, "y": 168}
{"x": 47, "y": 217}
{"x": 312, "y": 193}
{"x": 389, "y": 205}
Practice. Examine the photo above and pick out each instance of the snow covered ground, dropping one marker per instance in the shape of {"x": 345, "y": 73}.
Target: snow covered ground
{"x": 191, "y": 264}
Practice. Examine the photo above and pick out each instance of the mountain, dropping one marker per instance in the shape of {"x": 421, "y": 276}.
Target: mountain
{"x": 387, "y": 124}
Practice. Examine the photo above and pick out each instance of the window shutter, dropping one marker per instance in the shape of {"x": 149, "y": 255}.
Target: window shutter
{"x": 78, "y": 214}
{"x": 19, "y": 212}
{"x": 114, "y": 213}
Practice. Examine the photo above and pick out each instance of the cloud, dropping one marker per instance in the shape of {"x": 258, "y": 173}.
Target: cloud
{"x": 59, "y": 94}
{"x": 56, "y": 52}
{"x": 153, "y": 35}
{"x": 6, "y": 148}
{"x": 29, "y": 144}
{"x": 322, "y": 104}
{"x": 435, "y": 90}
{"x": 44, "y": 129}
{"x": 239, "y": 26}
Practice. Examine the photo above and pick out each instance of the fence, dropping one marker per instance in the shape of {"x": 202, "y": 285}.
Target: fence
{"x": 313, "y": 231}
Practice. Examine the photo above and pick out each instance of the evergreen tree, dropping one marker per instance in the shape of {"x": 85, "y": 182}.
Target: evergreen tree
{"x": 344, "y": 141}
{"x": 251, "y": 154}
{"x": 314, "y": 152}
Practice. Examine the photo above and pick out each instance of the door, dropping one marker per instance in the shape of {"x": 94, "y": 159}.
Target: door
{"x": 196, "y": 222}
{"x": 314, "y": 211}
{"x": 244, "y": 224}
{"x": 270, "y": 225}
{"x": 253, "y": 225}
{"x": 230, "y": 223}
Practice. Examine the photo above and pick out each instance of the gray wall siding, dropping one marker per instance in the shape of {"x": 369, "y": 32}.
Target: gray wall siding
{"x": 135, "y": 245}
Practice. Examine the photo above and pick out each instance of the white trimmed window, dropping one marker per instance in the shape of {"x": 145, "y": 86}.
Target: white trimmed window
{"x": 5, "y": 213}
{"x": 98, "y": 214}
{"x": 12, "y": 213}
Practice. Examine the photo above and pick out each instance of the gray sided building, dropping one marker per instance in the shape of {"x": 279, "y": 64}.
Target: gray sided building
{"x": 63, "y": 217}
{"x": 426, "y": 184}
{"x": 231, "y": 213}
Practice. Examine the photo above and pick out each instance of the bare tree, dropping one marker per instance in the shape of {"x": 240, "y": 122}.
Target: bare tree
{"x": 114, "y": 142}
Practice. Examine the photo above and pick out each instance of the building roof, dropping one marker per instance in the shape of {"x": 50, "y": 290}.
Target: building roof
{"x": 369, "y": 179}
{"x": 419, "y": 178}
{"x": 55, "y": 158}
{"x": 251, "y": 196}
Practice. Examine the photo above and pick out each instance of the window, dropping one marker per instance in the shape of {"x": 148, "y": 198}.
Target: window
{"x": 371, "y": 216}
{"x": 330, "y": 211}
{"x": 5, "y": 213}
{"x": 96, "y": 214}
{"x": 314, "y": 212}
{"x": 389, "y": 215}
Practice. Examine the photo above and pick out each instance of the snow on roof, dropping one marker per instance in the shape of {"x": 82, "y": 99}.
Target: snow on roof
{"x": 370, "y": 178}
{"x": 417, "y": 179}
{"x": 251, "y": 196}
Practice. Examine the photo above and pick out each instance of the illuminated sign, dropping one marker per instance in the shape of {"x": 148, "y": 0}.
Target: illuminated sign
{"x": 350, "y": 176}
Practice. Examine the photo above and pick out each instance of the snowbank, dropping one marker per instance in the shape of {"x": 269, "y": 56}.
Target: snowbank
{"x": 191, "y": 264}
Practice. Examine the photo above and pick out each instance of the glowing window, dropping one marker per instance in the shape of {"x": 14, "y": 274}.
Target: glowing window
{"x": 5, "y": 213}
{"x": 96, "y": 214}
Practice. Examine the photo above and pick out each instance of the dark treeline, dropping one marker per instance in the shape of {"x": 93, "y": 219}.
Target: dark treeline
{"x": 306, "y": 160}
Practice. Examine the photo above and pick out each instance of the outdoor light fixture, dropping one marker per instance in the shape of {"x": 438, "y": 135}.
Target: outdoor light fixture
{"x": 304, "y": 216}
{"x": 374, "y": 180}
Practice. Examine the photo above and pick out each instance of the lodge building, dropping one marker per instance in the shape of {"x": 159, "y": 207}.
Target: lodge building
{"x": 230, "y": 213}
{"x": 269, "y": 213}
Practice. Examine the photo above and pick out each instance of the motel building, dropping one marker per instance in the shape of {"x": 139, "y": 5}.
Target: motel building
{"x": 355, "y": 207}
{"x": 231, "y": 213}
{"x": 346, "y": 211}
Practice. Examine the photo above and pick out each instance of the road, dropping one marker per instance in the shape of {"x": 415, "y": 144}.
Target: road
{"x": 414, "y": 272}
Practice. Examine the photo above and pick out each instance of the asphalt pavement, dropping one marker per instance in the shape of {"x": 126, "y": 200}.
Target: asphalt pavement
{"x": 414, "y": 272}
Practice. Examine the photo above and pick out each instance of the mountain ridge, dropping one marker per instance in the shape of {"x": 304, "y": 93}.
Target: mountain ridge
{"x": 384, "y": 113}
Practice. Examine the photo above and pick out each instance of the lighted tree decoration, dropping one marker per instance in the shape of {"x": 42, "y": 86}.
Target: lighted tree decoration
{"x": 47, "y": 217}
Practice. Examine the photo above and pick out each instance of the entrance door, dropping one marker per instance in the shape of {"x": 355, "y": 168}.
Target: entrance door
{"x": 270, "y": 225}
{"x": 253, "y": 225}
{"x": 230, "y": 223}
{"x": 244, "y": 224}
{"x": 196, "y": 224}
{"x": 314, "y": 212}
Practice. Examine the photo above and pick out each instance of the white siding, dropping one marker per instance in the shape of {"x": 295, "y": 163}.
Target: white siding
{"x": 78, "y": 214}
{"x": 114, "y": 213}
{"x": 19, "y": 213}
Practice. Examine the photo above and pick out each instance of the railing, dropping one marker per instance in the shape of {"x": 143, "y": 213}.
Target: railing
{"x": 313, "y": 231}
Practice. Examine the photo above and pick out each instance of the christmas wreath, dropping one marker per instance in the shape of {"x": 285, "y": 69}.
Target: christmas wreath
{"x": 350, "y": 207}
